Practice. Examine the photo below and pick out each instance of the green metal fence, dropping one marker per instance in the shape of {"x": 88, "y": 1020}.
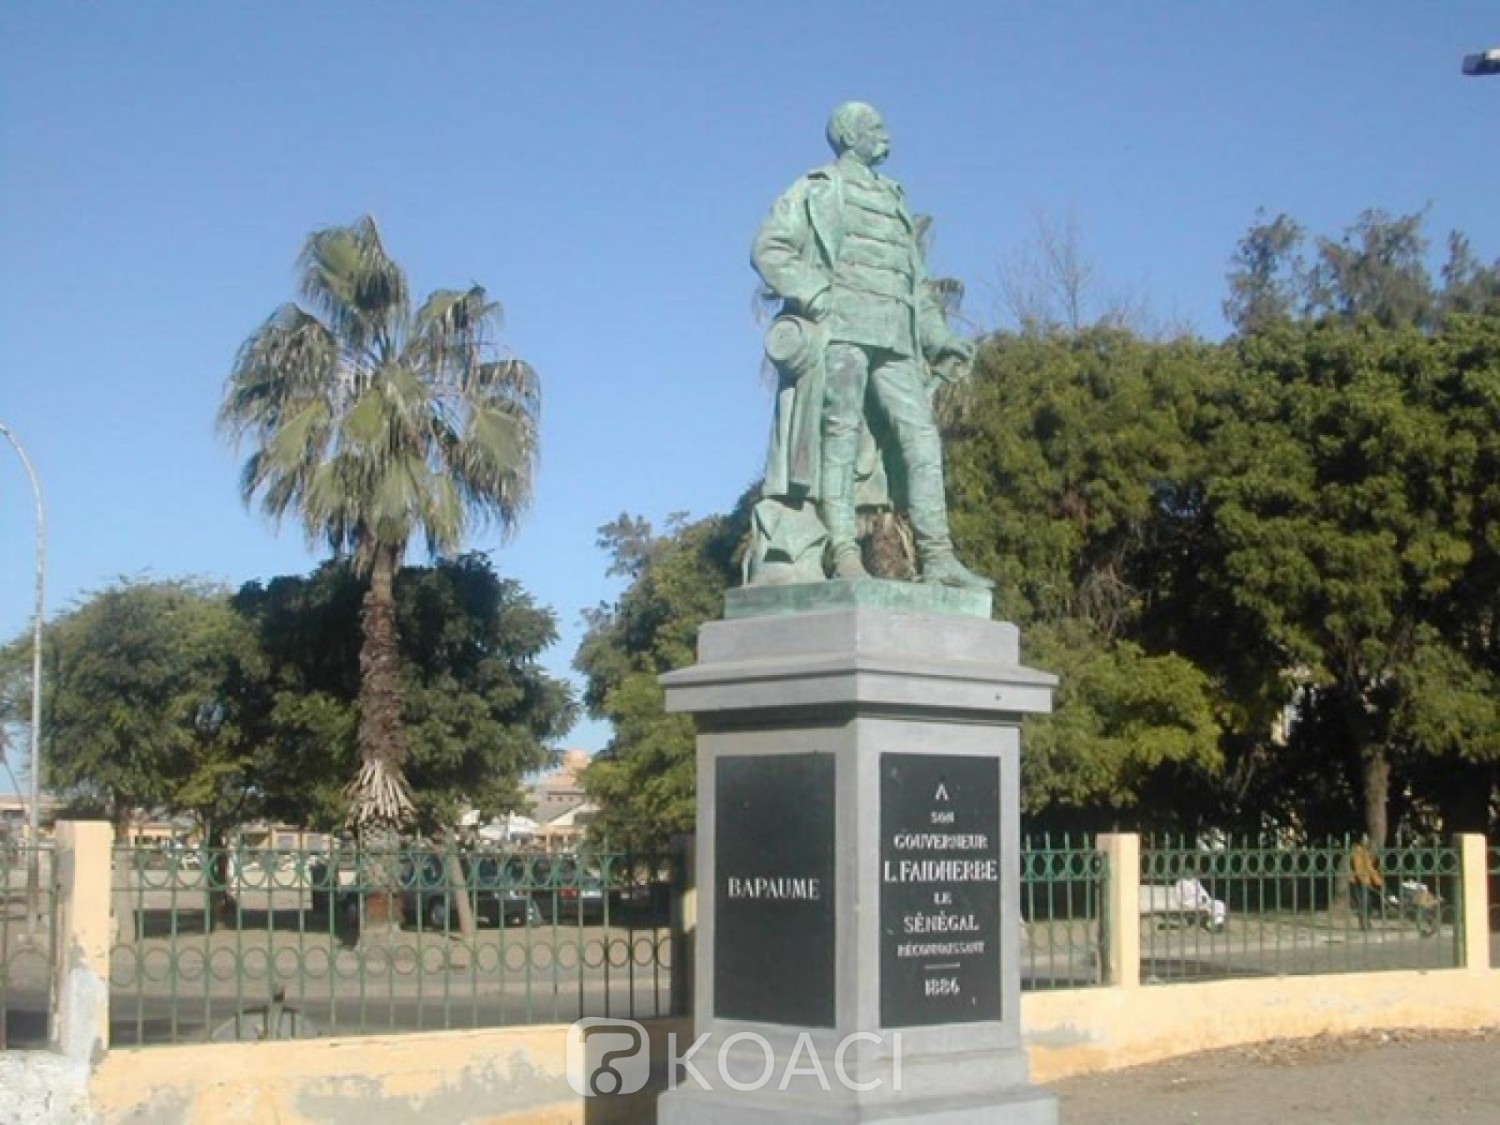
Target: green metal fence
{"x": 1220, "y": 907}
{"x": 28, "y": 915}
{"x": 241, "y": 945}
{"x": 234, "y": 945}
{"x": 1062, "y": 903}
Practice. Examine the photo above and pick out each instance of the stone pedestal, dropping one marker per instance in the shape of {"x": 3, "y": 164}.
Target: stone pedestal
{"x": 858, "y": 857}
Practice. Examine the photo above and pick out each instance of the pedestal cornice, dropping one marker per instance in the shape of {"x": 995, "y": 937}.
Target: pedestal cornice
{"x": 857, "y": 656}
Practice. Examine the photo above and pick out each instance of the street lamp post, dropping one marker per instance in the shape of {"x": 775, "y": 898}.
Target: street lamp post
{"x": 1483, "y": 64}
{"x": 34, "y": 819}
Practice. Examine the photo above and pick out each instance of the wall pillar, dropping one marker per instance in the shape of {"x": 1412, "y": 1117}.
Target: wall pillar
{"x": 80, "y": 977}
{"x": 1474, "y": 874}
{"x": 1120, "y": 944}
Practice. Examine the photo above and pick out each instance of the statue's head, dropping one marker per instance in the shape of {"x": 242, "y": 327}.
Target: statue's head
{"x": 856, "y": 128}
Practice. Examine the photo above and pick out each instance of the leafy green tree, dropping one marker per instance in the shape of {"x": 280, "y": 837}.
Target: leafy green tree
{"x": 1463, "y": 775}
{"x": 1068, "y": 471}
{"x": 1377, "y": 269}
{"x": 479, "y": 711}
{"x": 143, "y": 690}
{"x": 1359, "y": 478}
{"x": 1267, "y": 278}
{"x": 1468, "y": 286}
{"x": 645, "y": 779}
{"x": 1342, "y": 503}
{"x": 373, "y": 423}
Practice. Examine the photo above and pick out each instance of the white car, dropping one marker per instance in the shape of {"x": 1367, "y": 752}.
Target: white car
{"x": 1185, "y": 900}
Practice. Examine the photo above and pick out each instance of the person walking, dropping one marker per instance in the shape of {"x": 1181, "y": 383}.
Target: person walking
{"x": 1366, "y": 884}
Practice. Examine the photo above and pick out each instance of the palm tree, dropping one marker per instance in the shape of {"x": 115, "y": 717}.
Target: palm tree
{"x": 372, "y": 423}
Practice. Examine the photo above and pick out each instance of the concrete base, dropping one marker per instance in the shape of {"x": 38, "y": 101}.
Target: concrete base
{"x": 1028, "y": 1106}
{"x": 859, "y": 859}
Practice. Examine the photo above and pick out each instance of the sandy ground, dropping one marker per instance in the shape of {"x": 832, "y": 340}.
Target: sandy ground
{"x": 1388, "y": 1078}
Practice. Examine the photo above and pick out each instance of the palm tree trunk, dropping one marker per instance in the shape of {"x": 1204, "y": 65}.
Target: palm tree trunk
{"x": 379, "y": 800}
{"x": 380, "y": 738}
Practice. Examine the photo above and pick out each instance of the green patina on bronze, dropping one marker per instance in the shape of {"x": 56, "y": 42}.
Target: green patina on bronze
{"x": 860, "y": 342}
{"x": 863, "y": 593}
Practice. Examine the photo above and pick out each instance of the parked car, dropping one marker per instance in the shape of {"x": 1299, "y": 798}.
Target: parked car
{"x": 567, "y": 890}
{"x": 641, "y": 902}
{"x": 496, "y": 890}
{"x": 1186, "y": 901}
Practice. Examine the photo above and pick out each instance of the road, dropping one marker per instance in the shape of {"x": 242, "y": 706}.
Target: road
{"x": 1392, "y": 1077}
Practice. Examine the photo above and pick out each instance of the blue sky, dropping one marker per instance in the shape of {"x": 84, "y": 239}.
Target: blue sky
{"x": 601, "y": 168}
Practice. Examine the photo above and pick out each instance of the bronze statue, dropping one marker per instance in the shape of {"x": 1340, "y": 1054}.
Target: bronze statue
{"x": 859, "y": 342}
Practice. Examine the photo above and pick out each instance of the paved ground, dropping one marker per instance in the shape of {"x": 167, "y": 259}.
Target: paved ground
{"x": 1393, "y": 1078}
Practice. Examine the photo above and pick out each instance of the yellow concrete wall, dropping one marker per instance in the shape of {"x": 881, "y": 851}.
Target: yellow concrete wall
{"x": 514, "y": 1076}
{"x": 517, "y": 1076}
{"x": 1083, "y": 1030}
{"x": 444, "y": 1076}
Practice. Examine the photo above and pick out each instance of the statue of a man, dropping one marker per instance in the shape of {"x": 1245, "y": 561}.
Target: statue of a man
{"x": 860, "y": 340}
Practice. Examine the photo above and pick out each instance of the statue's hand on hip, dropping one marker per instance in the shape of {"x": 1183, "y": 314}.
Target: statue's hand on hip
{"x": 816, "y": 306}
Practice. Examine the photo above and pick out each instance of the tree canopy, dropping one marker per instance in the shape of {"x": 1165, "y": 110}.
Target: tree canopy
{"x": 1070, "y": 469}
{"x": 181, "y": 697}
{"x": 143, "y": 686}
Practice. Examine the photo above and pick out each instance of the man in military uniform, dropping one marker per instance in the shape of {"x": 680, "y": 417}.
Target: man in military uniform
{"x": 841, "y": 251}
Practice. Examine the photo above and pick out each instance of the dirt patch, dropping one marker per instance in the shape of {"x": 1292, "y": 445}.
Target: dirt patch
{"x": 1391, "y": 1077}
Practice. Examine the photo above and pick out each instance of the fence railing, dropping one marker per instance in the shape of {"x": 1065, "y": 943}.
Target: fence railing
{"x": 234, "y": 945}
{"x": 1234, "y": 908}
{"x": 1062, "y": 899}
{"x": 28, "y": 915}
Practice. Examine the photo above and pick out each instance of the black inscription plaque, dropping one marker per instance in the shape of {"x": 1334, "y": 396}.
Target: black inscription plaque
{"x": 939, "y": 889}
{"x": 773, "y": 889}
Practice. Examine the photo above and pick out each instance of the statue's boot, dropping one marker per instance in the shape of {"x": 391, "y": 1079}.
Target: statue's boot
{"x": 946, "y": 570}
{"x": 836, "y": 508}
{"x": 929, "y": 520}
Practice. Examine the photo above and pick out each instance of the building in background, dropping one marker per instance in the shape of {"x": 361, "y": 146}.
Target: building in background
{"x": 14, "y": 812}
{"x": 560, "y": 807}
